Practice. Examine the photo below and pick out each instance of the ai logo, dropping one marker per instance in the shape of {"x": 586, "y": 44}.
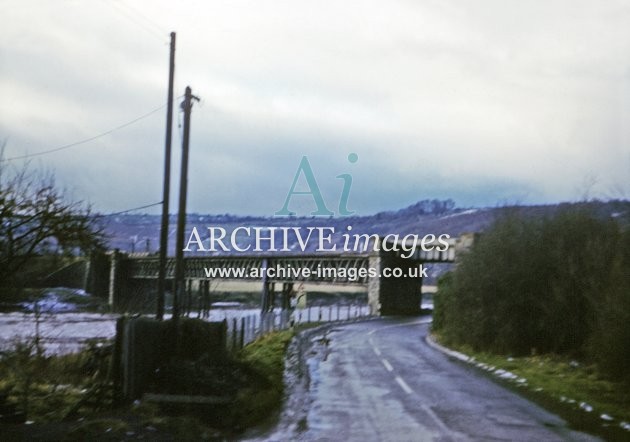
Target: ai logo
{"x": 313, "y": 189}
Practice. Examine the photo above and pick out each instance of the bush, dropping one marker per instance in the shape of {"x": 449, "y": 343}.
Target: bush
{"x": 610, "y": 342}
{"x": 557, "y": 284}
{"x": 46, "y": 388}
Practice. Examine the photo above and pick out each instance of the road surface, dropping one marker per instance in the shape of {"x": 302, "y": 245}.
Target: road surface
{"x": 379, "y": 381}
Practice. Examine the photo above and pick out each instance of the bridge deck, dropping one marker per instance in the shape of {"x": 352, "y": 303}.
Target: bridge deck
{"x": 351, "y": 269}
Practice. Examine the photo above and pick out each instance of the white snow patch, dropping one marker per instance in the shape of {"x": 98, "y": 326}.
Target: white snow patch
{"x": 225, "y": 304}
{"x": 464, "y": 212}
{"x": 503, "y": 374}
{"x": 586, "y": 407}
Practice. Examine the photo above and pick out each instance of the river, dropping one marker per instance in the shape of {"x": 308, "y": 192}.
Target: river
{"x": 66, "y": 332}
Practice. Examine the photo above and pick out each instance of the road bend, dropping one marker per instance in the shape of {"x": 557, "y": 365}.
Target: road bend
{"x": 379, "y": 381}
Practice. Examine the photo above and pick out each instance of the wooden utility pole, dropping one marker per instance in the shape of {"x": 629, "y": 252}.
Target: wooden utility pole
{"x": 167, "y": 185}
{"x": 181, "y": 215}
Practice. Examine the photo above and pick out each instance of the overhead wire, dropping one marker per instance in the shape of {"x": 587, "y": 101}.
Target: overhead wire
{"x": 148, "y": 20}
{"x": 83, "y": 141}
{"x": 133, "y": 209}
{"x": 153, "y": 28}
{"x": 135, "y": 16}
{"x": 149, "y": 26}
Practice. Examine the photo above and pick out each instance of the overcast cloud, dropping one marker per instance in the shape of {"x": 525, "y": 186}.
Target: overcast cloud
{"x": 485, "y": 102}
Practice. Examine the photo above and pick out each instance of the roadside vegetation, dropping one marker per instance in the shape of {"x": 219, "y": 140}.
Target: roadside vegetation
{"x": 549, "y": 299}
{"x": 266, "y": 355}
{"x": 69, "y": 397}
{"x": 43, "y": 388}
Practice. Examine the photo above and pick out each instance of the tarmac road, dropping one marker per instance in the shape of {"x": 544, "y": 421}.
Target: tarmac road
{"x": 379, "y": 381}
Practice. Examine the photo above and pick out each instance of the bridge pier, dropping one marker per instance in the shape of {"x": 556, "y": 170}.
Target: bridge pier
{"x": 287, "y": 292}
{"x": 268, "y": 296}
{"x": 394, "y": 295}
{"x": 127, "y": 294}
{"x": 204, "y": 294}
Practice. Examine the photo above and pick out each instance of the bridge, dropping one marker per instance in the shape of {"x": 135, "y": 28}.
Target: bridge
{"x": 393, "y": 282}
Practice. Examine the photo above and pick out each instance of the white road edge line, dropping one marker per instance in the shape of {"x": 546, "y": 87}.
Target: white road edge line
{"x": 403, "y": 385}
{"x": 447, "y": 351}
{"x": 376, "y": 351}
{"x": 387, "y": 365}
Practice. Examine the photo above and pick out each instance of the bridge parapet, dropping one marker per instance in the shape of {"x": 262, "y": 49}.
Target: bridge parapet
{"x": 440, "y": 250}
{"x": 324, "y": 268}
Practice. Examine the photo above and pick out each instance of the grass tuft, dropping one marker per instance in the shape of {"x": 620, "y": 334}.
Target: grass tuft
{"x": 266, "y": 356}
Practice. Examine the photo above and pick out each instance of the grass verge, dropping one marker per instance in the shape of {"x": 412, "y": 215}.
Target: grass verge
{"x": 577, "y": 392}
{"x": 266, "y": 356}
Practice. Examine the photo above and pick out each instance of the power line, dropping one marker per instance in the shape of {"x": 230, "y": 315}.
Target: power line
{"x": 149, "y": 26}
{"x": 133, "y": 210}
{"x": 147, "y": 19}
{"x": 77, "y": 143}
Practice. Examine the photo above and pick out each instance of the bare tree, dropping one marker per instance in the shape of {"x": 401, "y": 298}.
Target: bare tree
{"x": 36, "y": 218}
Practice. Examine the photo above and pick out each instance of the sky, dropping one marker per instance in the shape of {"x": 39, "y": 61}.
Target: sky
{"x": 489, "y": 102}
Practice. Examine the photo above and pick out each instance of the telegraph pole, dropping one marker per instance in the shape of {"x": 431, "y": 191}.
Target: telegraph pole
{"x": 181, "y": 215}
{"x": 167, "y": 185}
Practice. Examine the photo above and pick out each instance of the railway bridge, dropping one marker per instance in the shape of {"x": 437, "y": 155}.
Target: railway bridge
{"x": 393, "y": 283}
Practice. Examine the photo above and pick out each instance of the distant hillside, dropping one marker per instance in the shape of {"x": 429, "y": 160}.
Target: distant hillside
{"x": 140, "y": 233}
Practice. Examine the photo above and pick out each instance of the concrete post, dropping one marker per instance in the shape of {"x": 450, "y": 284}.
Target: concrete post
{"x": 114, "y": 280}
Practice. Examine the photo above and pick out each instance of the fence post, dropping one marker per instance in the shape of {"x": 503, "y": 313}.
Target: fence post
{"x": 246, "y": 328}
{"x": 242, "y": 332}
{"x": 251, "y": 328}
{"x": 234, "y": 335}
{"x": 225, "y": 334}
